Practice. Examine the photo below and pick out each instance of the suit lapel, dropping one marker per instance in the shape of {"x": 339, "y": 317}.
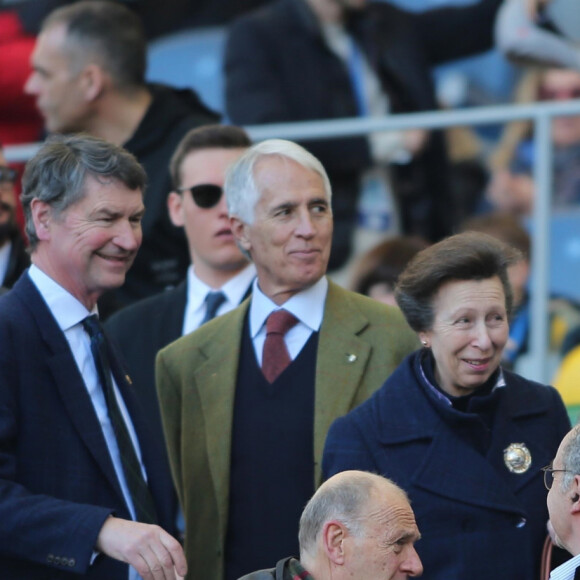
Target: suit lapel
{"x": 216, "y": 379}
{"x": 341, "y": 360}
{"x": 68, "y": 381}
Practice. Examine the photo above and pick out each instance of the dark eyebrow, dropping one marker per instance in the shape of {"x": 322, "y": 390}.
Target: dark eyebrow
{"x": 287, "y": 205}
{"x": 319, "y": 201}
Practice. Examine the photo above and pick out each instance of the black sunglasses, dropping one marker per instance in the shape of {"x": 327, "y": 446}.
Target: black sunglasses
{"x": 7, "y": 174}
{"x": 205, "y": 195}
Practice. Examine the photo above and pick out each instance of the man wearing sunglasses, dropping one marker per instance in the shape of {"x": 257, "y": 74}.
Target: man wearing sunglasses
{"x": 219, "y": 277}
{"x": 562, "y": 480}
{"x": 247, "y": 399}
{"x": 13, "y": 257}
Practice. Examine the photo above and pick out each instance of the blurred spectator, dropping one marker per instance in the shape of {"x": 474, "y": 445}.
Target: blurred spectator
{"x": 298, "y": 60}
{"x": 88, "y": 75}
{"x": 13, "y": 256}
{"x": 377, "y": 271}
{"x": 564, "y": 314}
{"x": 19, "y": 119}
{"x": 158, "y": 17}
{"x": 512, "y": 186}
{"x": 525, "y": 30}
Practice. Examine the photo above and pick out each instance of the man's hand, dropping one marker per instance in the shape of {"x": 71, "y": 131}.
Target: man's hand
{"x": 149, "y": 549}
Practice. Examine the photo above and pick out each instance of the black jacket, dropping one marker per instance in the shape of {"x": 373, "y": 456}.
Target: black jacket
{"x": 163, "y": 257}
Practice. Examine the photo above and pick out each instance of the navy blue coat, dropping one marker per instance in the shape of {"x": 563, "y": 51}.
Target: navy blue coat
{"x": 477, "y": 519}
{"x": 57, "y": 481}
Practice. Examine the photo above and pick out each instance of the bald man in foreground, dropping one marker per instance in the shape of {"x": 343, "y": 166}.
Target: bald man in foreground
{"x": 358, "y": 526}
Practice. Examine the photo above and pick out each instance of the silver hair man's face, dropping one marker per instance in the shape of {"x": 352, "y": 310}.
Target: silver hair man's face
{"x": 290, "y": 237}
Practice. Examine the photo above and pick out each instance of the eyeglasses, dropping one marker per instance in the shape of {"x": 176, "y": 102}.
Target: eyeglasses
{"x": 205, "y": 195}
{"x": 549, "y": 475}
{"x": 7, "y": 174}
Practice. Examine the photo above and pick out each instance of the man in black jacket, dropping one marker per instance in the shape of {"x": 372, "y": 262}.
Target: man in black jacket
{"x": 88, "y": 75}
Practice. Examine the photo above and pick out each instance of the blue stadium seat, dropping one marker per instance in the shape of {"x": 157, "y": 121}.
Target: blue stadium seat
{"x": 191, "y": 58}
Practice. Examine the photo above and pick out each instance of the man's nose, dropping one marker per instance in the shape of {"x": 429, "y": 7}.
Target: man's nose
{"x": 128, "y": 236}
{"x": 305, "y": 226}
{"x": 413, "y": 565}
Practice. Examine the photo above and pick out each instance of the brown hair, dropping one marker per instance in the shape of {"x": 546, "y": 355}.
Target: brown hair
{"x": 206, "y": 137}
{"x": 466, "y": 256}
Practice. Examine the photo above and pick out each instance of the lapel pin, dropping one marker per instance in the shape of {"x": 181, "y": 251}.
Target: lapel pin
{"x": 517, "y": 457}
{"x": 128, "y": 379}
{"x": 351, "y": 358}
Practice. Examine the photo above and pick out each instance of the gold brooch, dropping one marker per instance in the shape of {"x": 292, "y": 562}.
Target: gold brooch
{"x": 517, "y": 457}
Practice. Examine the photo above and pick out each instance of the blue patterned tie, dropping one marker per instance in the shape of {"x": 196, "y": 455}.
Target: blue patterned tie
{"x": 213, "y": 301}
{"x": 142, "y": 500}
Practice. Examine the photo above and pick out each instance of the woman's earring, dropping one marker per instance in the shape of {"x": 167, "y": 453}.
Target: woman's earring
{"x": 424, "y": 343}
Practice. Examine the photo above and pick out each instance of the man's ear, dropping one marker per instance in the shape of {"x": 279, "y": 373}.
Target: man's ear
{"x": 93, "y": 81}
{"x": 575, "y": 494}
{"x": 333, "y": 535}
{"x": 240, "y": 230}
{"x": 41, "y": 217}
{"x": 175, "y": 207}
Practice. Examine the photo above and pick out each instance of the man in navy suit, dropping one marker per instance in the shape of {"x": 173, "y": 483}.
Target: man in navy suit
{"x": 78, "y": 465}
{"x": 197, "y": 205}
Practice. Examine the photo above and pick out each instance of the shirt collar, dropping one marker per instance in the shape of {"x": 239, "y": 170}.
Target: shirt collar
{"x": 307, "y": 306}
{"x": 234, "y": 289}
{"x": 566, "y": 570}
{"x": 65, "y": 308}
{"x": 439, "y": 394}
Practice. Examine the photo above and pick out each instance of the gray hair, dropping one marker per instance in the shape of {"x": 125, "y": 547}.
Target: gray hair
{"x": 240, "y": 187}
{"x": 571, "y": 458}
{"x": 346, "y": 500}
{"x": 57, "y": 174}
{"x": 108, "y": 32}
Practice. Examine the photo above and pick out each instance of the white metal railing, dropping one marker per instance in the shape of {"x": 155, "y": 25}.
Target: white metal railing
{"x": 539, "y": 113}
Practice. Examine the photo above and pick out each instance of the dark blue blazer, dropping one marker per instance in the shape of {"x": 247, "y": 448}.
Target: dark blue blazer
{"x": 57, "y": 481}
{"x": 477, "y": 519}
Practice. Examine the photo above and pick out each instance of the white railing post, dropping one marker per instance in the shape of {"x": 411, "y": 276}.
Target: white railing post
{"x": 540, "y": 367}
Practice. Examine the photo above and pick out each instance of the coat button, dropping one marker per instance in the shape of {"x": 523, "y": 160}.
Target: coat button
{"x": 72, "y": 562}
{"x": 57, "y": 560}
{"x": 50, "y": 558}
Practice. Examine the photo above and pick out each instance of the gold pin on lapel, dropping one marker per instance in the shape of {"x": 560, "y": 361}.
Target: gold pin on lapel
{"x": 351, "y": 358}
{"x": 517, "y": 457}
{"x": 128, "y": 379}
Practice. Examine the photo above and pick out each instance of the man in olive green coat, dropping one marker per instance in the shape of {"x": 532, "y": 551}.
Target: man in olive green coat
{"x": 245, "y": 406}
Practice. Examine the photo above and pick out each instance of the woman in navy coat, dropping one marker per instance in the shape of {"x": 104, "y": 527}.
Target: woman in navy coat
{"x": 465, "y": 439}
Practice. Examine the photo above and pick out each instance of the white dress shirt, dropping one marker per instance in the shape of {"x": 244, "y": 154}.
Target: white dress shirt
{"x": 307, "y": 306}
{"x": 566, "y": 570}
{"x": 234, "y": 290}
{"x": 69, "y": 314}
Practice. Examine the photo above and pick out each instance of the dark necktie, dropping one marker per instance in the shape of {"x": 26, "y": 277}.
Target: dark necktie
{"x": 275, "y": 357}
{"x": 213, "y": 301}
{"x": 142, "y": 500}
